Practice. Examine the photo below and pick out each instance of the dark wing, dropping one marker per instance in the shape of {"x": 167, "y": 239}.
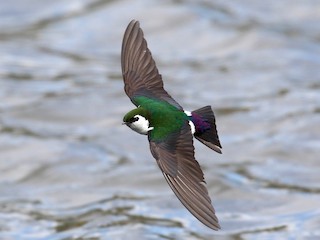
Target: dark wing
{"x": 175, "y": 158}
{"x": 140, "y": 74}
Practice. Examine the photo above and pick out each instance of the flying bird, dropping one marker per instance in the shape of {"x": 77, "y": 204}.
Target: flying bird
{"x": 169, "y": 128}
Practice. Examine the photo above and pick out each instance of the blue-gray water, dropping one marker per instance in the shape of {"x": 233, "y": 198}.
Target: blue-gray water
{"x": 70, "y": 170}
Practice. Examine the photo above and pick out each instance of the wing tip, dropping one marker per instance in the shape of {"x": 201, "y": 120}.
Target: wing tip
{"x": 214, "y": 226}
{"x": 133, "y": 24}
{"x": 133, "y": 21}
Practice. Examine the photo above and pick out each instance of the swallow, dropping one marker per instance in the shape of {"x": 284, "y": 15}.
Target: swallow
{"x": 170, "y": 129}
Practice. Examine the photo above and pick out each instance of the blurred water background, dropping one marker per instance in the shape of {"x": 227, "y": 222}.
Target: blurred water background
{"x": 70, "y": 170}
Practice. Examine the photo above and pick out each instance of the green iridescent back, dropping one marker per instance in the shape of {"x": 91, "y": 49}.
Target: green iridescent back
{"x": 164, "y": 117}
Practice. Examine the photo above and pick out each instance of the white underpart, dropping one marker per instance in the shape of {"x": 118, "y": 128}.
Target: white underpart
{"x": 141, "y": 125}
{"x": 193, "y": 128}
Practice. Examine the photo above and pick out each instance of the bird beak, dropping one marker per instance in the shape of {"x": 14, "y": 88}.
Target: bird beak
{"x": 124, "y": 123}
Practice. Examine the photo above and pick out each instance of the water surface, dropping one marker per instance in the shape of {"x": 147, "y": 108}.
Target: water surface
{"x": 70, "y": 170}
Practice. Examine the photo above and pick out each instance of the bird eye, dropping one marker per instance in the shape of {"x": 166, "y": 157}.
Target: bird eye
{"x": 133, "y": 119}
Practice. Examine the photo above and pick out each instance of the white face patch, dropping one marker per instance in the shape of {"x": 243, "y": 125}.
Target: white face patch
{"x": 141, "y": 125}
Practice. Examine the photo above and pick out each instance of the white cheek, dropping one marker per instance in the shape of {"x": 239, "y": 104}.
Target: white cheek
{"x": 141, "y": 125}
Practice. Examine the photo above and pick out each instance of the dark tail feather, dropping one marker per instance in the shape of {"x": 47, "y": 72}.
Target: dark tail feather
{"x": 209, "y": 137}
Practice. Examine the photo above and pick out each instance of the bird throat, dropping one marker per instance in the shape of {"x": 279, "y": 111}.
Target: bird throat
{"x": 141, "y": 125}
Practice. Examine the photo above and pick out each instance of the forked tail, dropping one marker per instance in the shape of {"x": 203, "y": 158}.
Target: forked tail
{"x": 205, "y": 128}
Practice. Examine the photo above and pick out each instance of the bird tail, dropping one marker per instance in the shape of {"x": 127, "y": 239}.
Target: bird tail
{"x": 205, "y": 128}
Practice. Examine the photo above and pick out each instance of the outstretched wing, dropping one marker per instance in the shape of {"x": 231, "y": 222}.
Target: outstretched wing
{"x": 175, "y": 157}
{"x": 140, "y": 74}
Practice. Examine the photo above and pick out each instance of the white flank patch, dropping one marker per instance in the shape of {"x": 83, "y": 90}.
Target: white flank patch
{"x": 188, "y": 113}
{"x": 193, "y": 128}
